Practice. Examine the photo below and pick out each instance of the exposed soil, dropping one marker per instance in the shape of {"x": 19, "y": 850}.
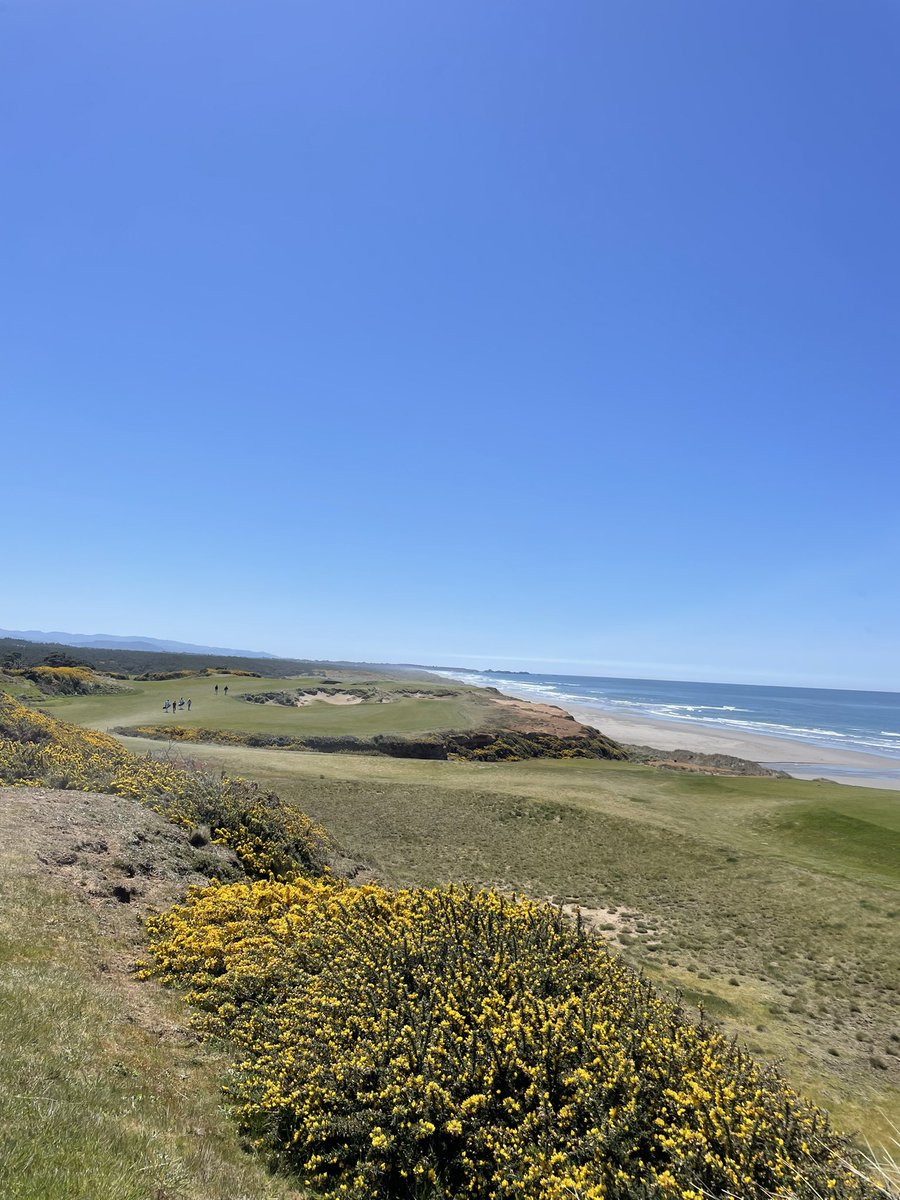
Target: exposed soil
{"x": 526, "y": 716}
{"x": 112, "y": 851}
{"x": 123, "y": 862}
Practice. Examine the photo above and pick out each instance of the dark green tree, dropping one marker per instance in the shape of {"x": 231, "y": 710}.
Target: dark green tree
{"x": 60, "y": 659}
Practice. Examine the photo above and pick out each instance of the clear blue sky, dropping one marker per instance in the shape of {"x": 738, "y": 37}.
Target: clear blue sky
{"x": 542, "y": 335}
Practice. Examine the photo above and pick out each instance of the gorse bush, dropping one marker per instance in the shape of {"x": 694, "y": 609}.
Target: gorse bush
{"x": 62, "y": 680}
{"x": 183, "y": 733}
{"x": 272, "y": 839}
{"x": 456, "y": 1043}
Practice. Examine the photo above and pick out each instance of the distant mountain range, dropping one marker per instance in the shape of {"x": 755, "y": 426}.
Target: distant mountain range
{"x": 109, "y": 641}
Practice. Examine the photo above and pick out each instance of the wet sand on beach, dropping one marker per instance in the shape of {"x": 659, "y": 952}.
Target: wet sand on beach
{"x": 797, "y": 758}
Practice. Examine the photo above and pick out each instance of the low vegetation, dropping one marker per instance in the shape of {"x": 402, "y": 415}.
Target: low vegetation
{"x": 457, "y": 1043}
{"x": 108, "y": 660}
{"x": 104, "y": 1094}
{"x": 502, "y": 746}
{"x": 440, "y": 1042}
{"x": 772, "y": 903}
{"x": 162, "y": 676}
{"x": 328, "y": 688}
{"x": 270, "y": 838}
{"x": 65, "y": 680}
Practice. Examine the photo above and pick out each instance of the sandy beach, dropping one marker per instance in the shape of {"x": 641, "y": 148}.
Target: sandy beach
{"x": 797, "y": 758}
{"x": 802, "y": 759}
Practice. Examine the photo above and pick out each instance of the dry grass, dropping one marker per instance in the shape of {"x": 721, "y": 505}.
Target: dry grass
{"x": 773, "y": 903}
{"x": 103, "y": 1096}
{"x": 733, "y": 891}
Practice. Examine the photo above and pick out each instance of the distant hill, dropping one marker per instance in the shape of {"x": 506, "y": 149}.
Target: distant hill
{"x": 123, "y": 659}
{"x": 109, "y": 641}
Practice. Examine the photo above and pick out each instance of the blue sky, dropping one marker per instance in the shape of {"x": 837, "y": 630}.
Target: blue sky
{"x": 555, "y": 336}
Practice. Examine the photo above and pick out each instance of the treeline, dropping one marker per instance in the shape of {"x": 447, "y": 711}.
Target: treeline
{"x": 21, "y": 653}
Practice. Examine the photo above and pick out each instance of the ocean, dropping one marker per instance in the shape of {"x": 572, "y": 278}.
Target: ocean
{"x": 865, "y": 722}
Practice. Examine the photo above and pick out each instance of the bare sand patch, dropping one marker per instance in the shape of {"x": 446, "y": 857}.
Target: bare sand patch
{"x": 307, "y": 698}
{"x": 115, "y": 853}
{"x": 619, "y": 926}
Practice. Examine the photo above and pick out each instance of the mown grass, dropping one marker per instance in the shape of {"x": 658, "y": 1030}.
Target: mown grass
{"x": 92, "y": 1105}
{"x": 835, "y": 839}
{"x": 144, "y": 705}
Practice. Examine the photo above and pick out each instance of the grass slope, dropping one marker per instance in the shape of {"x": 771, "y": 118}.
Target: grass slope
{"x": 705, "y": 883}
{"x": 774, "y": 903}
{"x": 102, "y": 1094}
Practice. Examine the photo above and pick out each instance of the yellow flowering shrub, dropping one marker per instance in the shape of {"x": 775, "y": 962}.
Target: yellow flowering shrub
{"x": 272, "y": 839}
{"x": 457, "y": 1043}
{"x": 62, "y": 681}
{"x": 184, "y": 733}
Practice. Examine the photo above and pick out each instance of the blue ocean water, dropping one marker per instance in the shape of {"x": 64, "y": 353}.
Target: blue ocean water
{"x": 866, "y": 722}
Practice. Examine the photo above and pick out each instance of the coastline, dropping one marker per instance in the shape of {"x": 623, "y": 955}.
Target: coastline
{"x": 797, "y": 758}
